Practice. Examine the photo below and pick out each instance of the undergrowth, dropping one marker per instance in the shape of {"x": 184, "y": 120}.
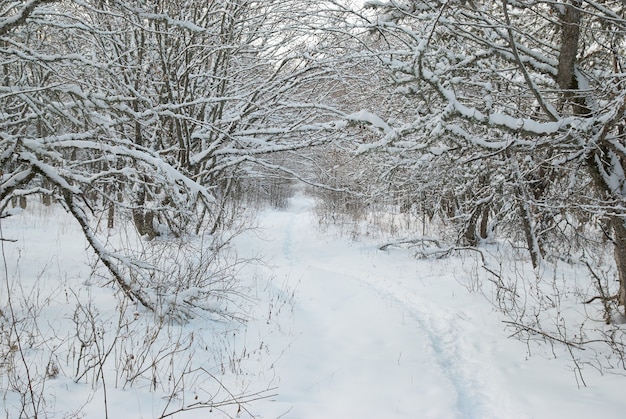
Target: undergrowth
{"x": 66, "y": 329}
{"x": 560, "y": 309}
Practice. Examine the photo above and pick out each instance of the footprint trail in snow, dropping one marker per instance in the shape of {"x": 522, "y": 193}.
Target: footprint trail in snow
{"x": 363, "y": 345}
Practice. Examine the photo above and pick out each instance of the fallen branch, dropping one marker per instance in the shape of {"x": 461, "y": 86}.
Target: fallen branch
{"x": 602, "y": 298}
{"x": 234, "y": 400}
{"x": 418, "y": 240}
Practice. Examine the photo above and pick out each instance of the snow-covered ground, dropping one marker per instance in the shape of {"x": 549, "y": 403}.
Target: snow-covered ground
{"x": 340, "y": 329}
{"x": 380, "y": 334}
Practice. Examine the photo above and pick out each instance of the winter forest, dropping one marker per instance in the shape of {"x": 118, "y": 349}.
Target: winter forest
{"x": 153, "y": 152}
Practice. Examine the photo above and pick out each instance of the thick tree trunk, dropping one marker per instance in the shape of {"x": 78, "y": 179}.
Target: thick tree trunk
{"x": 484, "y": 222}
{"x": 470, "y": 235}
{"x": 570, "y": 34}
{"x": 143, "y": 218}
{"x": 476, "y": 230}
{"x": 619, "y": 231}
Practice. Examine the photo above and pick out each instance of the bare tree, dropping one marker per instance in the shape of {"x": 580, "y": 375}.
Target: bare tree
{"x": 156, "y": 109}
{"x": 535, "y": 89}
{"x": 506, "y": 120}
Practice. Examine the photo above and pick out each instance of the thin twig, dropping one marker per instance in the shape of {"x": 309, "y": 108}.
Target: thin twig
{"x": 526, "y": 328}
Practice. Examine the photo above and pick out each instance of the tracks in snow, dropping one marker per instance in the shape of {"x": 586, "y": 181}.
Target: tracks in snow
{"x": 341, "y": 283}
{"x": 451, "y": 350}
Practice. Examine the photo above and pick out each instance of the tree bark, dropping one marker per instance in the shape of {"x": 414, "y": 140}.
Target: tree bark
{"x": 594, "y": 163}
{"x": 484, "y": 222}
{"x": 619, "y": 231}
{"x": 570, "y": 35}
{"x": 142, "y": 217}
{"x": 111, "y": 216}
{"x": 532, "y": 240}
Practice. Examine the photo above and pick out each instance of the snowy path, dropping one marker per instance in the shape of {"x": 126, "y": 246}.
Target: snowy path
{"x": 373, "y": 334}
{"x": 340, "y": 329}
{"x": 365, "y": 346}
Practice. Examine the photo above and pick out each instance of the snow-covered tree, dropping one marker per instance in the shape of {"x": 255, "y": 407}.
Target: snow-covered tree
{"x": 153, "y": 108}
{"x": 522, "y": 99}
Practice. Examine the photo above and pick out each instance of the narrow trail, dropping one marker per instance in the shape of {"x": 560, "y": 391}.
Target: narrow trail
{"x": 364, "y": 344}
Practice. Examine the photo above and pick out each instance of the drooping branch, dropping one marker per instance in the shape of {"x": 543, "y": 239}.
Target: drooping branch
{"x": 132, "y": 291}
{"x": 18, "y": 19}
{"x": 546, "y": 107}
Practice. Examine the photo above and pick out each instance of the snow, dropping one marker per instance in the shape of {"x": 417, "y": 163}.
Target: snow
{"x": 380, "y": 334}
{"x": 345, "y": 330}
{"x": 372, "y": 119}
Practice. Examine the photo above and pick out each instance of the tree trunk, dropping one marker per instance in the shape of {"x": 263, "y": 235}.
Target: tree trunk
{"x": 475, "y": 230}
{"x": 532, "y": 240}
{"x": 619, "y": 230}
{"x": 143, "y": 218}
{"x": 111, "y": 216}
{"x": 594, "y": 163}
{"x": 470, "y": 235}
{"x": 484, "y": 222}
{"x": 570, "y": 34}
{"x": 566, "y": 79}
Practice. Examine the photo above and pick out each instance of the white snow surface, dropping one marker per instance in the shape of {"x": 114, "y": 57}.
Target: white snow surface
{"x": 380, "y": 334}
{"x": 359, "y": 333}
